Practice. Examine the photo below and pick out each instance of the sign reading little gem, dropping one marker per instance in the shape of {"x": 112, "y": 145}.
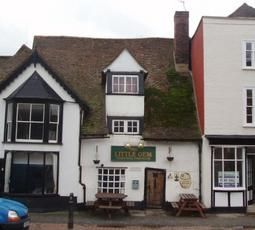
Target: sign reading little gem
{"x": 122, "y": 153}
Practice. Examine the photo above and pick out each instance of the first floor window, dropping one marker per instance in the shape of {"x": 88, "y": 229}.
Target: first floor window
{"x": 111, "y": 180}
{"x": 228, "y": 166}
{"x": 125, "y": 126}
{"x": 249, "y": 54}
{"x": 249, "y": 106}
{"x": 32, "y": 122}
{"x": 31, "y": 173}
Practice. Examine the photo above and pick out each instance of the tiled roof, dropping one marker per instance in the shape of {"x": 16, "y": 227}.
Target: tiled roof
{"x": 10, "y": 64}
{"x": 243, "y": 11}
{"x": 79, "y": 62}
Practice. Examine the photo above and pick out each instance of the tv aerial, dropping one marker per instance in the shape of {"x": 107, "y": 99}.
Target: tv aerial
{"x": 183, "y": 4}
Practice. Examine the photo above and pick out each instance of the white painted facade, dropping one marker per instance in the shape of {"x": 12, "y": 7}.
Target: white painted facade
{"x": 225, "y": 80}
{"x": 69, "y": 149}
{"x": 183, "y": 153}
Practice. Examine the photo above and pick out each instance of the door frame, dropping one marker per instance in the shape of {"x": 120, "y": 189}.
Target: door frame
{"x": 145, "y": 184}
{"x": 253, "y": 173}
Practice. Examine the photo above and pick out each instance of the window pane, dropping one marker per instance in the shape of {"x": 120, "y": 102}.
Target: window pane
{"x": 22, "y": 131}
{"x": 229, "y": 153}
{"x": 54, "y": 113}
{"x": 249, "y": 119}
{"x": 218, "y": 174}
{"x": 50, "y": 173}
{"x": 23, "y": 112}
{"x": 18, "y": 179}
{"x": 37, "y": 112}
{"x": 248, "y": 46}
{"x": 36, "y": 131}
{"x": 35, "y": 173}
{"x": 229, "y": 174}
{"x": 9, "y": 111}
{"x": 53, "y": 132}
{"x": 239, "y": 153}
{"x": 217, "y": 153}
{"x": 239, "y": 174}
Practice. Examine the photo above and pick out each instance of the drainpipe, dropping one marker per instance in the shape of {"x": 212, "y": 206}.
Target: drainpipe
{"x": 79, "y": 161}
{"x": 200, "y": 168}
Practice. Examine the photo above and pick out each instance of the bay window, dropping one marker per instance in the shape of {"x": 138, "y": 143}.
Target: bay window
{"x": 33, "y": 122}
{"x": 228, "y": 166}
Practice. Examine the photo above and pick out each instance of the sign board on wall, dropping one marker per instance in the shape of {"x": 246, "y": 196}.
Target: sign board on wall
{"x": 185, "y": 180}
{"x": 122, "y": 153}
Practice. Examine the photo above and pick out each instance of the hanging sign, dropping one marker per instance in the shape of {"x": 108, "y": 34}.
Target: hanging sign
{"x": 133, "y": 153}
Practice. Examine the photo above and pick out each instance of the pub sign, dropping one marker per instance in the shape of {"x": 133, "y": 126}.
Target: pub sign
{"x": 133, "y": 153}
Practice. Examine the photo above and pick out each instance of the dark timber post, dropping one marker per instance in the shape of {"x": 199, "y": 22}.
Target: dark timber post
{"x": 70, "y": 211}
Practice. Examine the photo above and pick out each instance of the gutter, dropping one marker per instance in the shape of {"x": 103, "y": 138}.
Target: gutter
{"x": 79, "y": 160}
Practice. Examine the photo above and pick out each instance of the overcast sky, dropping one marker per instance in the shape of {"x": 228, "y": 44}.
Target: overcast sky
{"x": 20, "y": 20}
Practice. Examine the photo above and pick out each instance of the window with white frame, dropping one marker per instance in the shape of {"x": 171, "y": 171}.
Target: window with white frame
{"x": 125, "y": 84}
{"x": 111, "y": 180}
{"x": 249, "y": 106}
{"x": 228, "y": 166}
{"x": 125, "y": 126}
{"x": 30, "y": 121}
{"x": 53, "y": 122}
{"x": 249, "y": 54}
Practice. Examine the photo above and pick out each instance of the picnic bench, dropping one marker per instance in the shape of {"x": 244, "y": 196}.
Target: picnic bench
{"x": 188, "y": 202}
{"x": 110, "y": 202}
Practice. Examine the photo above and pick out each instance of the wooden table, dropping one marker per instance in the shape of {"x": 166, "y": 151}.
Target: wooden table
{"x": 110, "y": 201}
{"x": 189, "y": 202}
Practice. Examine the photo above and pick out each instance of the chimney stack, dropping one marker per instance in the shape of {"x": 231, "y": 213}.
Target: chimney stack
{"x": 181, "y": 41}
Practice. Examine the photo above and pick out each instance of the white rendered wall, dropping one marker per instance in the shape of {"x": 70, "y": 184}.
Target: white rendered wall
{"x": 224, "y": 77}
{"x": 185, "y": 160}
{"x": 68, "y": 151}
{"x": 124, "y": 105}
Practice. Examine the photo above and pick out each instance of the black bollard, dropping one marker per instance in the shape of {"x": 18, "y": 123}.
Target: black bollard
{"x": 70, "y": 211}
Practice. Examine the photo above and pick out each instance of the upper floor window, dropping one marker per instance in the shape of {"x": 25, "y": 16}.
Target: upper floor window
{"x": 33, "y": 122}
{"x": 127, "y": 84}
{"x": 249, "y": 106}
{"x": 249, "y": 54}
{"x": 125, "y": 126}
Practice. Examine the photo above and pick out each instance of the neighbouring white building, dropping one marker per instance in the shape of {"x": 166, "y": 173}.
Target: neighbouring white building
{"x": 223, "y": 65}
{"x": 86, "y": 115}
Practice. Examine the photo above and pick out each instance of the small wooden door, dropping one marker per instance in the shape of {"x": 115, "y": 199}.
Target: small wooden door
{"x": 251, "y": 178}
{"x": 155, "y": 188}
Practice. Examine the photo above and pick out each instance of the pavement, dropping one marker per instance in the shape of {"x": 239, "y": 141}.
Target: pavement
{"x": 140, "y": 220}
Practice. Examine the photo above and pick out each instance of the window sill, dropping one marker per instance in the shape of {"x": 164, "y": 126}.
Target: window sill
{"x": 248, "y": 68}
{"x": 248, "y": 126}
{"x": 218, "y": 189}
{"x": 31, "y": 143}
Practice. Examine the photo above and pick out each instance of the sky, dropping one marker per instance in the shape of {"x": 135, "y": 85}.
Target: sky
{"x": 20, "y": 20}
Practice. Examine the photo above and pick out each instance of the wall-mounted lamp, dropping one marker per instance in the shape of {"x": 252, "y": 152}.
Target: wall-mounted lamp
{"x": 169, "y": 157}
{"x": 96, "y": 161}
{"x": 140, "y": 144}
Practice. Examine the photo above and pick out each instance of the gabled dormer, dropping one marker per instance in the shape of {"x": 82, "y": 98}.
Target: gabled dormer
{"x": 124, "y": 95}
{"x": 124, "y": 76}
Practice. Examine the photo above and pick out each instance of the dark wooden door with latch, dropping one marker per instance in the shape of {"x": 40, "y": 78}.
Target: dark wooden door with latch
{"x": 155, "y": 187}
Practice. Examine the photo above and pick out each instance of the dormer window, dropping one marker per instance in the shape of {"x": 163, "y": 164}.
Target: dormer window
{"x": 125, "y": 125}
{"x": 125, "y": 84}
